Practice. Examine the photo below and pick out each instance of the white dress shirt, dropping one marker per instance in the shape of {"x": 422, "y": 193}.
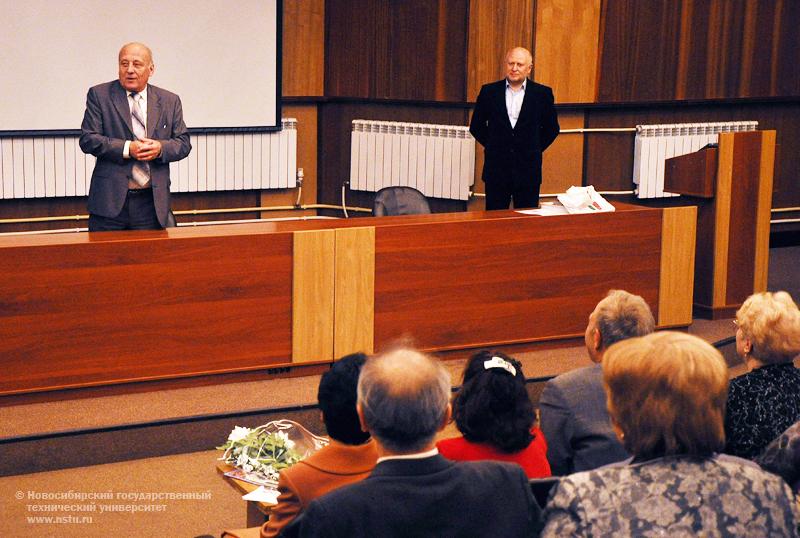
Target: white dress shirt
{"x": 514, "y": 102}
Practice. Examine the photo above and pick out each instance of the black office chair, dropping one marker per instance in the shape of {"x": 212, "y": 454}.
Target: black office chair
{"x": 391, "y": 201}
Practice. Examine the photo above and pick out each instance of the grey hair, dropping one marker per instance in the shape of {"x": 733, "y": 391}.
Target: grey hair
{"x": 404, "y": 396}
{"x": 622, "y": 315}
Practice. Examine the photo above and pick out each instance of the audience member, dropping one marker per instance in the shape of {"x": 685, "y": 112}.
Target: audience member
{"x": 573, "y": 405}
{"x": 349, "y": 457}
{"x": 495, "y": 414}
{"x": 782, "y": 457}
{"x": 766, "y": 401}
{"x": 666, "y": 399}
{"x": 403, "y": 400}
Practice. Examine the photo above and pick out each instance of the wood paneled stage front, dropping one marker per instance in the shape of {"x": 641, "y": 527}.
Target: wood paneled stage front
{"x": 81, "y": 310}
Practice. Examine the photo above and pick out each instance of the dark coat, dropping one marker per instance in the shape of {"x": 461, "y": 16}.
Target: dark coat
{"x": 514, "y": 152}
{"x": 430, "y": 497}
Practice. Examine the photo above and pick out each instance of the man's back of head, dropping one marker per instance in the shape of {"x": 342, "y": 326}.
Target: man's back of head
{"x": 404, "y": 398}
{"x": 572, "y": 406}
{"x": 337, "y": 400}
{"x": 618, "y": 316}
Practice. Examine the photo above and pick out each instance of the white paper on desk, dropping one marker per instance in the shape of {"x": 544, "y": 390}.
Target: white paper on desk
{"x": 584, "y": 200}
{"x": 547, "y": 210}
{"x": 262, "y": 495}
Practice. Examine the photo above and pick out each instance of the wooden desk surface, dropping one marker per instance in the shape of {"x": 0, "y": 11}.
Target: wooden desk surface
{"x": 89, "y": 309}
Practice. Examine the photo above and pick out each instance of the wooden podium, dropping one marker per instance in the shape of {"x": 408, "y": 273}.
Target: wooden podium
{"x": 732, "y": 185}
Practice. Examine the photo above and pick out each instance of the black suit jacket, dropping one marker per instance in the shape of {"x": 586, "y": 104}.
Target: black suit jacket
{"x": 105, "y": 128}
{"x": 514, "y": 153}
{"x": 431, "y": 497}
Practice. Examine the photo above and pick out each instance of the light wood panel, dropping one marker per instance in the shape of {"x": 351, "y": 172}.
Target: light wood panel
{"x": 494, "y": 27}
{"x": 567, "y": 37}
{"x": 722, "y": 217}
{"x": 355, "y": 291}
{"x": 303, "y": 63}
{"x": 562, "y": 162}
{"x": 312, "y": 295}
{"x": 763, "y": 206}
{"x": 678, "y": 236}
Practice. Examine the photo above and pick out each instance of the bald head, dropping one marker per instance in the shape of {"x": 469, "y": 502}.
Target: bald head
{"x": 404, "y": 399}
{"x": 135, "y": 66}
{"x": 524, "y": 53}
{"x": 518, "y": 65}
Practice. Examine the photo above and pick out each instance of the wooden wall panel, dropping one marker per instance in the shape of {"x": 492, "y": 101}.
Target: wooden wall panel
{"x": 396, "y": 50}
{"x": 494, "y": 27}
{"x": 639, "y": 50}
{"x": 424, "y": 56}
{"x": 698, "y": 49}
{"x": 303, "y": 47}
{"x": 567, "y": 37}
{"x": 350, "y": 59}
{"x": 562, "y": 163}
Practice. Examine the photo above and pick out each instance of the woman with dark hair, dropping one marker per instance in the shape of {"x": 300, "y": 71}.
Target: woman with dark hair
{"x": 495, "y": 416}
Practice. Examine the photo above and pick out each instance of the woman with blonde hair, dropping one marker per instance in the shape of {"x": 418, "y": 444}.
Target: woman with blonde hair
{"x": 765, "y": 401}
{"x": 666, "y": 399}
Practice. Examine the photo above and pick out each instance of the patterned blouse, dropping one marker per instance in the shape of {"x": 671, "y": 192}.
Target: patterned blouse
{"x": 674, "y": 496}
{"x": 761, "y": 405}
{"x": 782, "y": 457}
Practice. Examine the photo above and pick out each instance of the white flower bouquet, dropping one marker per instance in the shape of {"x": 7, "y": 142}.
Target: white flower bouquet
{"x": 263, "y": 451}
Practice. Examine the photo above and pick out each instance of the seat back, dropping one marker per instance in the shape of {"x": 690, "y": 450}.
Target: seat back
{"x": 390, "y": 201}
{"x": 541, "y": 488}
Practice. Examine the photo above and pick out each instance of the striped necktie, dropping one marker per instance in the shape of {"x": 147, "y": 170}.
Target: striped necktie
{"x": 141, "y": 170}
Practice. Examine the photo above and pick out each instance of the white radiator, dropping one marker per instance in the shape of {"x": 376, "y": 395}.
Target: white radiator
{"x": 437, "y": 160}
{"x": 656, "y": 143}
{"x": 46, "y": 167}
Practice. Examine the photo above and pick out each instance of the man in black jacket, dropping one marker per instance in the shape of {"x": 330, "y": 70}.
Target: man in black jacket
{"x": 515, "y": 121}
{"x": 403, "y": 400}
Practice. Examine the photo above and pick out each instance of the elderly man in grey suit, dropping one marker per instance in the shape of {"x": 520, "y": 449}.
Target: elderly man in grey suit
{"x": 135, "y": 130}
{"x": 573, "y": 411}
{"x": 403, "y": 400}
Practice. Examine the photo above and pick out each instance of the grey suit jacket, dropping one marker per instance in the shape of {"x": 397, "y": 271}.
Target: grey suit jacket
{"x": 105, "y": 128}
{"x": 430, "y": 497}
{"x": 575, "y": 422}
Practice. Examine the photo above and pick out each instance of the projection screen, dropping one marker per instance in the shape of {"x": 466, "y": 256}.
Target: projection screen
{"x": 222, "y": 58}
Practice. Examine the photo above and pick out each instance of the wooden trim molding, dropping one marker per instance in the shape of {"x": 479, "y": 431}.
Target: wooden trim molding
{"x": 722, "y": 220}
{"x": 763, "y": 210}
